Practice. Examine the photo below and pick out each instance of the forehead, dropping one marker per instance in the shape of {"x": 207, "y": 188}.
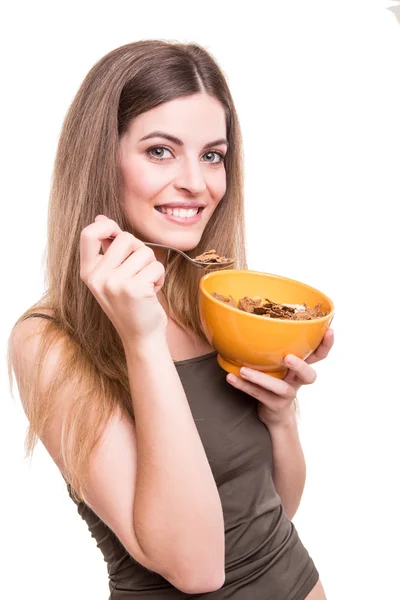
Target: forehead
{"x": 198, "y": 117}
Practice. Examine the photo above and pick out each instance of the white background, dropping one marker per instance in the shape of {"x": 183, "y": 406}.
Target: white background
{"x": 317, "y": 89}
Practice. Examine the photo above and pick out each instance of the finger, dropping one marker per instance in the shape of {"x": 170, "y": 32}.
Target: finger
{"x": 249, "y": 388}
{"x": 150, "y": 279}
{"x": 301, "y": 369}
{"x": 292, "y": 378}
{"x": 280, "y": 387}
{"x": 90, "y": 242}
{"x": 106, "y": 243}
{"x": 259, "y": 393}
{"x": 137, "y": 261}
{"x": 120, "y": 249}
{"x": 160, "y": 281}
{"x": 323, "y": 349}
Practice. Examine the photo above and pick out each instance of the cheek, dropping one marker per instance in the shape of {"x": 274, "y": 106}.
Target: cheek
{"x": 217, "y": 185}
{"x": 141, "y": 180}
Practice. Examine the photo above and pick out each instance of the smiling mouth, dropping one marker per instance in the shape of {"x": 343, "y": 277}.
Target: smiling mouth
{"x": 183, "y": 213}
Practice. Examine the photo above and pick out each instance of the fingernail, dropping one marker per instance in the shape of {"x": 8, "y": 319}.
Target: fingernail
{"x": 231, "y": 378}
{"x": 289, "y": 361}
{"x": 245, "y": 372}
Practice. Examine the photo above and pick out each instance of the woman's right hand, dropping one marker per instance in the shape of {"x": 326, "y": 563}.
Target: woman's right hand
{"x": 125, "y": 280}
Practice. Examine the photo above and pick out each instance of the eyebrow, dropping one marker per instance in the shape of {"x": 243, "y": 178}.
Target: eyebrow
{"x": 179, "y": 142}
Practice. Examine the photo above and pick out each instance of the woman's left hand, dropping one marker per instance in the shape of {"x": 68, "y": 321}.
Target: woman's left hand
{"x": 276, "y": 396}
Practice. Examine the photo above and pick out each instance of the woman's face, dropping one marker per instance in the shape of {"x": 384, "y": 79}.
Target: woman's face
{"x": 173, "y": 170}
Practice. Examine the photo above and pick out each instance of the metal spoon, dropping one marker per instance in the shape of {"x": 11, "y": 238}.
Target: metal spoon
{"x": 202, "y": 265}
{"x": 198, "y": 263}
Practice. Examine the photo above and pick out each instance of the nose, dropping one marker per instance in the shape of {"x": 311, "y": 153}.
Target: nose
{"x": 191, "y": 177}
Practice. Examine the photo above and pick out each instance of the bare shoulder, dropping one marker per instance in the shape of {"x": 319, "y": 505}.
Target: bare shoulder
{"x": 111, "y": 479}
{"x": 24, "y": 346}
{"x": 26, "y": 335}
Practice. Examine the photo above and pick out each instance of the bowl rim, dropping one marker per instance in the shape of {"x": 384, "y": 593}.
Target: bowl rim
{"x": 237, "y": 310}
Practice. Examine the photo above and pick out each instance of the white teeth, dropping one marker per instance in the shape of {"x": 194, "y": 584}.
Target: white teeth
{"x": 185, "y": 213}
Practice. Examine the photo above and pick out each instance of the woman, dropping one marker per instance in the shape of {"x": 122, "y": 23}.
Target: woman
{"x": 187, "y": 478}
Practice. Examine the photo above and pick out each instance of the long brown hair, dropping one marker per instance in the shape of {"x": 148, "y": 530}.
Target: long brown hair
{"x": 126, "y": 82}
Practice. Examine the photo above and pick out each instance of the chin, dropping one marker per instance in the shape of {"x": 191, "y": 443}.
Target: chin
{"x": 182, "y": 242}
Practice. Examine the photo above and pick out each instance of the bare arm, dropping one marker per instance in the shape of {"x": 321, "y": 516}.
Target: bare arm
{"x": 289, "y": 471}
{"x": 149, "y": 482}
{"x": 275, "y": 410}
{"x": 177, "y": 513}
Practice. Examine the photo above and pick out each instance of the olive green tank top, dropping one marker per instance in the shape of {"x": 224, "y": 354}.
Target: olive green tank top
{"x": 264, "y": 557}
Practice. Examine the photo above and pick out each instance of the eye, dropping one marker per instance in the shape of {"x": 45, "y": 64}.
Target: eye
{"x": 158, "y": 152}
{"x": 209, "y": 156}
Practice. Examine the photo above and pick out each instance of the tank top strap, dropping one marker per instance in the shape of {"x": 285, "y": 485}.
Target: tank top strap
{"x": 42, "y": 315}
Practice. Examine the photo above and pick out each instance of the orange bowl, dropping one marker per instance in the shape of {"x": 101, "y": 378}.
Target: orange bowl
{"x": 244, "y": 339}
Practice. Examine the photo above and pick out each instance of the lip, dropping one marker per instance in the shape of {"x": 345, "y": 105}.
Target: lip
{"x": 186, "y": 205}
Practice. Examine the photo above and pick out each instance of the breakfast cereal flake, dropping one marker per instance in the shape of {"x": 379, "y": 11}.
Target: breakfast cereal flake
{"x": 273, "y": 310}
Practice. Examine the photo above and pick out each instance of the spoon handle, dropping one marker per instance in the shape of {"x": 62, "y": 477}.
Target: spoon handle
{"x": 168, "y": 248}
{"x": 202, "y": 265}
{"x": 151, "y": 245}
